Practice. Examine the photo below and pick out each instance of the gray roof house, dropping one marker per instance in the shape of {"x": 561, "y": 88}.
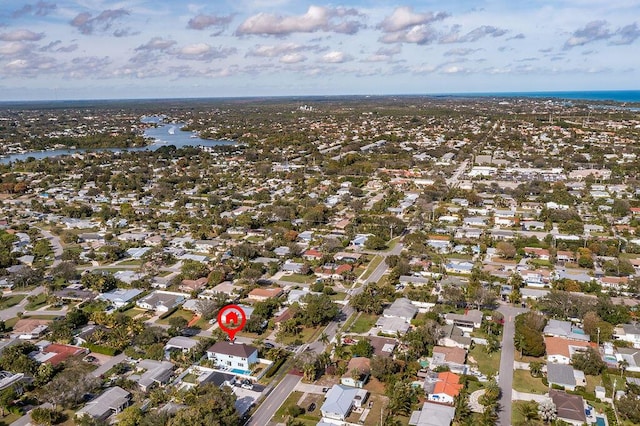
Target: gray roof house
{"x": 565, "y": 329}
{"x": 401, "y": 308}
{"x": 112, "y": 401}
{"x": 152, "y": 373}
{"x": 433, "y": 414}
{"x": 162, "y": 301}
{"x": 469, "y": 320}
{"x": 453, "y": 336}
{"x": 182, "y": 343}
{"x": 565, "y": 376}
{"x": 340, "y": 400}
{"x": 119, "y": 297}
{"x": 392, "y": 326}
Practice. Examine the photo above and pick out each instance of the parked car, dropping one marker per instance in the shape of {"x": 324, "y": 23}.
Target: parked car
{"x": 247, "y": 386}
{"x": 311, "y": 407}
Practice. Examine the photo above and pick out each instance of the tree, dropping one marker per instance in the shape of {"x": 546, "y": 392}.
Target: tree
{"x": 69, "y": 387}
{"x": 7, "y": 398}
{"x": 589, "y": 361}
{"x": 210, "y": 405}
{"x": 383, "y": 368}
{"x": 623, "y": 365}
{"x": 319, "y": 309}
{"x": 362, "y": 349}
{"x": 46, "y": 416}
{"x": 535, "y": 368}
{"x": 375, "y": 243}
{"x": 529, "y": 411}
{"x": 65, "y": 270}
{"x": 177, "y": 325}
{"x": 463, "y": 411}
{"x": 506, "y": 250}
{"x": 401, "y": 397}
{"x": 367, "y": 302}
{"x": 528, "y": 334}
{"x": 16, "y": 359}
{"x": 130, "y": 416}
{"x": 192, "y": 270}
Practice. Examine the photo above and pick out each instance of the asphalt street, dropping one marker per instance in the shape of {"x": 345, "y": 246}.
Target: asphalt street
{"x": 506, "y": 362}
{"x": 270, "y": 405}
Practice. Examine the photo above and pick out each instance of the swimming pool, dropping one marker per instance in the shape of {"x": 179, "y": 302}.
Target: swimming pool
{"x": 600, "y": 421}
{"x": 240, "y": 371}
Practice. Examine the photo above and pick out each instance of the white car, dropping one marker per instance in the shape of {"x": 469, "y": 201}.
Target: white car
{"x": 247, "y": 386}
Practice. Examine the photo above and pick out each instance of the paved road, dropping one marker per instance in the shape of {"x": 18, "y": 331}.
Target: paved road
{"x": 506, "y": 362}
{"x": 12, "y": 312}
{"x": 275, "y": 399}
{"x": 453, "y": 180}
{"x": 108, "y": 365}
{"x": 55, "y": 245}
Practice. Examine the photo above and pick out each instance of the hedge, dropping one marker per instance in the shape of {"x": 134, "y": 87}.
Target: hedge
{"x": 99, "y": 349}
{"x": 169, "y": 312}
{"x": 275, "y": 367}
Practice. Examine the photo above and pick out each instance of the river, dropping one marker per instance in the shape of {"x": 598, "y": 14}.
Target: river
{"x": 164, "y": 134}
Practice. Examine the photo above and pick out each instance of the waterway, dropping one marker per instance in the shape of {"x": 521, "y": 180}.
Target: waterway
{"x": 162, "y": 135}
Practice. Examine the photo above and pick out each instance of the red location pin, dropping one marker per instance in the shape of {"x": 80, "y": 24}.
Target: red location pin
{"x": 231, "y": 319}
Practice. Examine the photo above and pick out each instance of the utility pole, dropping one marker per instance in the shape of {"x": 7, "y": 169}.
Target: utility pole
{"x": 598, "y": 338}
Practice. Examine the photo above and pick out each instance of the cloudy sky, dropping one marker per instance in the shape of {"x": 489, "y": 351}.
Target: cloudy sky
{"x": 79, "y": 49}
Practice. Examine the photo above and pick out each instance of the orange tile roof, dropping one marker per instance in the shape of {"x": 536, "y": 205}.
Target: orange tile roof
{"x": 62, "y": 352}
{"x": 560, "y": 345}
{"x": 448, "y": 383}
{"x": 457, "y": 355}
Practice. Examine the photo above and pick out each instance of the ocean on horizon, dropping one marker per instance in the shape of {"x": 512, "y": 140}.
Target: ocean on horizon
{"x": 594, "y": 95}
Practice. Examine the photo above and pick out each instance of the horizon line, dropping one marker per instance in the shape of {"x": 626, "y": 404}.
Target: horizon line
{"x": 506, "y": 94}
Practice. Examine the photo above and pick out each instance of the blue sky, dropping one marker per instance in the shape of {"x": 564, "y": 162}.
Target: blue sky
{"x": 85, "y": 49}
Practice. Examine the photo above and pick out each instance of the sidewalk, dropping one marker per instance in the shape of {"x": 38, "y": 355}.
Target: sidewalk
{"x": 524, "y": 396}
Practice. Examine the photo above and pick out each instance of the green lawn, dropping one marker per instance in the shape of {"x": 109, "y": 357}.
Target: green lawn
{"x": 13, "y": 300}
{"x": 307, "y": 334}
{"x": 297, "y": 278}
{"x": 131, "y": 262}
{"x": 488, "y": 364}
{"x": 179, "y": 313}
{"x": 133, "y": 312}
{"x": 524, "y": 382}
{"x": 37, "y": 302}
{"x": 363, "y": 323}
{"x": 11, "y": 322}
{"x": 281, "y": 413}
{"x": 372, "y": 266}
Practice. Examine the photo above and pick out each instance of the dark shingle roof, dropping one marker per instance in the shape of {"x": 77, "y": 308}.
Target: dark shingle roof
{"x": 235, "y": 349}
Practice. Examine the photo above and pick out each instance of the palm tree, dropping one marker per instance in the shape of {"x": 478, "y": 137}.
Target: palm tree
{"x": 529, "y": 411}
{"x": 623, "y": 365}
{"x": 324, "y": 338}
{"x": 463, "y": 411}
{"x": 535, "y": 367}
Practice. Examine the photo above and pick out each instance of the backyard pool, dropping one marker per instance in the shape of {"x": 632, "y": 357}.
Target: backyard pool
{"x": 240, "y": 371}
{"x": 600, "y": 421}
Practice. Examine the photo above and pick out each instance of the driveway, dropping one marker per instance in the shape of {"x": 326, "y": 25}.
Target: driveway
{"x": 506, "y": 362}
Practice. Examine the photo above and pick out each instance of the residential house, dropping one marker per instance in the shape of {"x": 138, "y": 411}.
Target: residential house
{"x": 468, "y": 321}
{"x": 162, "y": 301}
{"x": 444, "y": 389}
{"x": 340, "y": 401}
{"x": 13, "y": 380}
{"x": 112, "y": 401}
{"x": 382, "y": 346}
{"x": 401, "y": 308}
{"x": 565, "y": 376}
{"x": 413, "y": 280}
{"x": 453, "y": 337}
{"x": 261, "y": 294}
{"x": 293, "y": 267}
{"x": 570, "y": 408}
{"x": 561, "y": 350}
{"x": 537, "y": 253}
{"x": 459, "y": 267}
{"x": 233, "y": 356}
{"x": 358, "y": 372}
{"x": 190, "y": 286}
{"x": 629, "y": 333}
{"x": 151, "y": 373}
{"x": 119, "y": 297}
{"x": 454, "y": 358}
{"x": 181, "y": 343}
{"x": 564, "y": 329}
{"x": 348, "y": 257}
{"x": 392, "y": 326}
{"x": 55, "y": 353}
{"x": 28, "y": 328}
{"x": 433, "y": 414}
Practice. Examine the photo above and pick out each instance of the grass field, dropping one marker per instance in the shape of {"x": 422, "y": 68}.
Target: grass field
{"x": 363, "y": 323}
{"x": 13, "y": 300}
{"x": 488, "y": 364}
{"x": 372, "y": 266}
{"x": 523, "y": 382}
{"x": 179, "y": 313}
{"x": 37, "y": 302}
{"x": 297, "y": 278}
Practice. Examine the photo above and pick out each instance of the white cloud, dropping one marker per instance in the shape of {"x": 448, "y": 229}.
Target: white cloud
{"x": 293, "y": 58}
{"x": 317, "y": 18}
{"x": 336, "y": 57}
{"x": 21, "y": 35}
{"x": 13, "y": 48}
{"x": 404, "y": 17}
